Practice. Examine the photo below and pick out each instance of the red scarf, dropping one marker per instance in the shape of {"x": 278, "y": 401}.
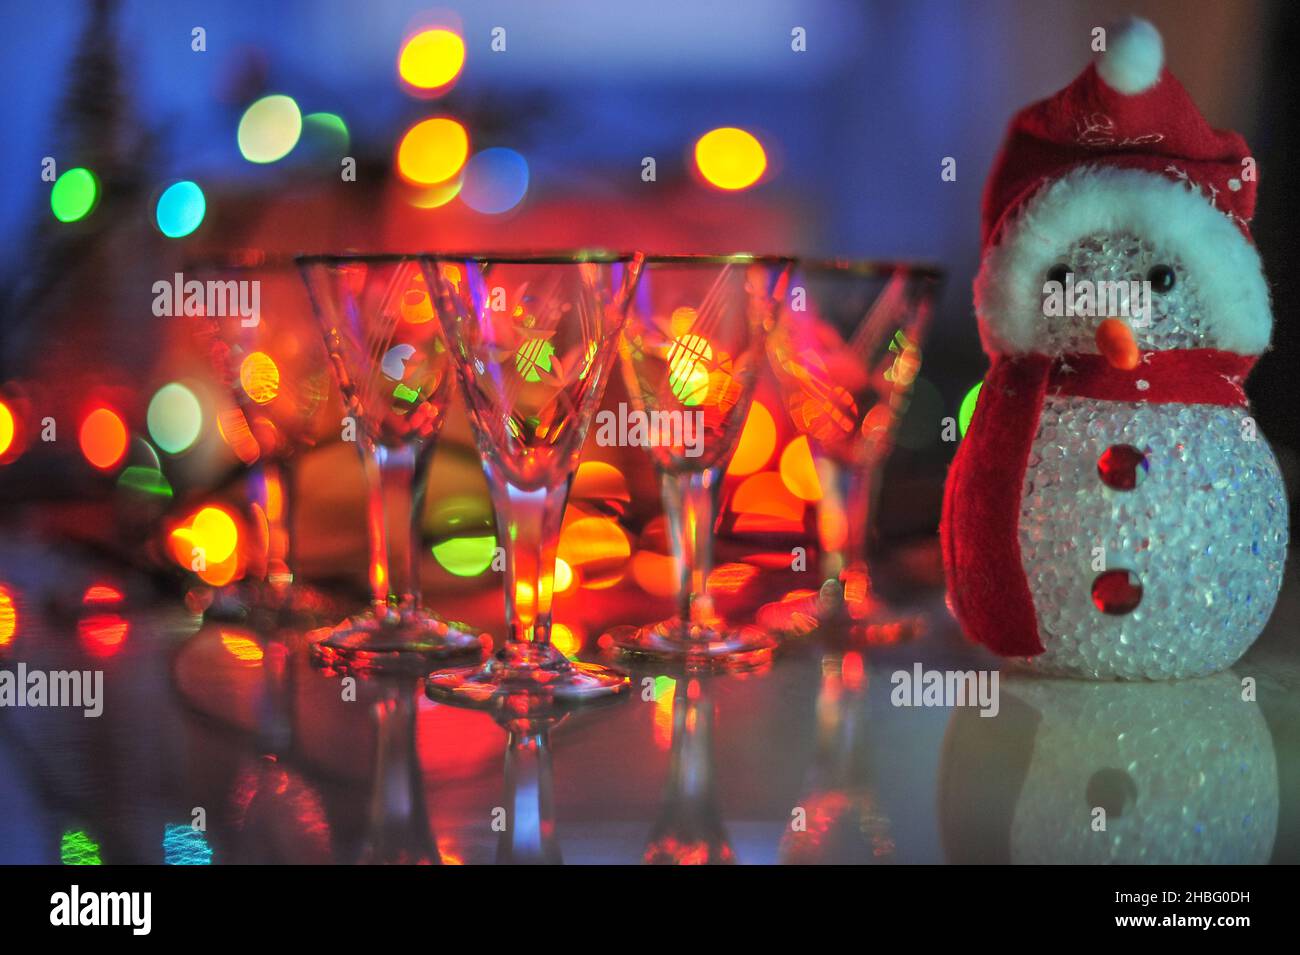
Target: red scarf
{"x": 1192, "y": 376}
{"x": 981, "y": 508}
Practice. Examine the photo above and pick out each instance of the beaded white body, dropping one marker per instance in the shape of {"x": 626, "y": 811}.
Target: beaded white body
{"x": 1205, "y": 533}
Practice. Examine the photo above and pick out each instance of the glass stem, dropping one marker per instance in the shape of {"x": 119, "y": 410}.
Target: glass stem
{"x": 395, "y": 479}
{"x": 528, "y": 530}
{"x": 529, "y": 833}
{"x": 399, "y": 830}
{"x": 275, "y": 497}
{"x": 690, "y": 504}
{"x": 832, "y": 516}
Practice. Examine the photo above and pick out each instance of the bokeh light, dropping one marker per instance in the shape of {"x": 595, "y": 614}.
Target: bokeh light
{"x": 967, "y": 409}
{"x": 214, "y": 530}
{"x": 175, "y": 418}
{"x": 432, "y": 59}
{"x": 103, "y": 438}
{"x": 326, "y": 132}
{"x": 799, "y": 472}
{"x": 764, "y": 494}
{"x": 432, "y": 151}
{"x": 74, "y": 195}
{"x": 269, "y": 129}
{"x": 534, "y": 358}
{"x": 181, "y": 209}
{"x": 466, "y": 556}
{"x": 689, "y": 359}
{"x": 594, "y": 550}
{"x": 102, "y": 635}
{"x": 6, "y": 428}
{"x": 101, "y": 595}
{"x": 259, "y": 377}
{"x": 496, "y": 181}
{"x": 757, "y": 442}
{"x": 233, "y": 427}
{"x": 563, "y": 575}
{"x": 242, "y": 647}
{"x": 438, "y": 195}
{"x": 8, "y": 617}
{"x": 730, "y": 158}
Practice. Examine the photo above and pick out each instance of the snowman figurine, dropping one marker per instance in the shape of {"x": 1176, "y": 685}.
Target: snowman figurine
{"x": 1113, "y": 512}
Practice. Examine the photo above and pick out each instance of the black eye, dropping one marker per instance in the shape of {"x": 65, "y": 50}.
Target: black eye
{"x": 1161, "y": 278}
{"x": 1057, "y": 273}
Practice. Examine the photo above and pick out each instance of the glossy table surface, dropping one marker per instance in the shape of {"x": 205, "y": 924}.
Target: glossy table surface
{"x": 808, "y": 761}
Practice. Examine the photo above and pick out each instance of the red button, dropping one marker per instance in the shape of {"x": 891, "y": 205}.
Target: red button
{"x": 1122, "y": 467}
{"x": 1117, "y": 592}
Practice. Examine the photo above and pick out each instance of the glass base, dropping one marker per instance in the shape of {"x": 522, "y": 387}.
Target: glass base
{"x": 836, "y": 611}
{"x": 261, "y": 605}
{"x": 528, "y": 681}
{"x": 696, "y": 647}
{"x": 412, "y": 641}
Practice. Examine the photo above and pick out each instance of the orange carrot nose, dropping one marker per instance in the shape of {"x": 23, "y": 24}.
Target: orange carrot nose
{"x": 1116, "y": 342}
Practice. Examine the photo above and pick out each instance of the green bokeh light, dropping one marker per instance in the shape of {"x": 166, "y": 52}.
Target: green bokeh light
{"x": 74, "y": 195}
{"x": 328, "y": 131}
{"x": 466, "y": 556}
{"x": 967, "y": 408}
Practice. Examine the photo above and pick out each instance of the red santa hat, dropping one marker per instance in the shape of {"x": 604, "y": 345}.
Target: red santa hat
{"x": 1122, "y": 149}
{"x": 1125, "y": 111}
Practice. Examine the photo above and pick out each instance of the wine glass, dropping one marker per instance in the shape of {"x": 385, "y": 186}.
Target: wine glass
{"x": 254, "y": 326}
{"x": 691, "y": 353}
{"x": 532, "y": 338}
{"x": 845, "y": 351}
{"x": 394, "y": 371}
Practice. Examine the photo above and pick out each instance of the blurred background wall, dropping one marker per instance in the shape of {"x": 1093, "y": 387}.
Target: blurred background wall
{"x": 855, "y": 129}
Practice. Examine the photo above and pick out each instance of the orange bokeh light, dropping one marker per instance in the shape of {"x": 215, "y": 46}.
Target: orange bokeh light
{"x": 798, "y": 472}
{"x": 103, "y": 438}
{"x": 756, "y": 444}
{"x": 765, "y": 494}
{"x": 432, "y": 151}
{"x": 101, "y": 594}
{"x": 259, "y": 376}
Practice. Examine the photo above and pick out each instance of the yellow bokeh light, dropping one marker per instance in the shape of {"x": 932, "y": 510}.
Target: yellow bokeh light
{"x": 6, "y": 427}
{"x": 565, "y": 640}
{"x": 243, "y": 648}
{"x": 757, "y": 442}
{"x": 438, "y": 195}
{"x": 563, "y": 575}
{"x": 259, "y": 377}
{"x": 269, "y": 129}
{"x": 730, "y": 158}
{"x": 432, "y": 151}
{"x": 8, "y": 618}
{"x": 689, "y": 359}
{"x": 431, "y": 59}
{"x": 215, "y": 532}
